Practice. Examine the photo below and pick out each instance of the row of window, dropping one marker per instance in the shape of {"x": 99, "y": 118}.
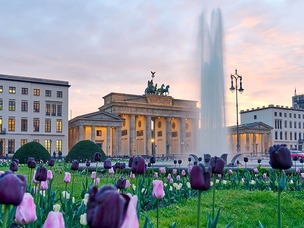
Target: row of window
{"x": 47, "y": 145}
{"x": 53, "y": 109}
{"x": 290, "y": 115}
{"x": 36, "y": 125}
{"x": 295, "y": 124}
{"x": 36, "y": 92}
{"x": 284, "y": 135}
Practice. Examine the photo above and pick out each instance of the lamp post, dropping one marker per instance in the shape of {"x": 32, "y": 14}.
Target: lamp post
{"x": 237, "y": 77}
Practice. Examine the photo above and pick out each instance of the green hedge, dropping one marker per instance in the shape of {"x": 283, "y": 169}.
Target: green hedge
{"x": 83, "y": 150}
{"x": 34, "y": 150}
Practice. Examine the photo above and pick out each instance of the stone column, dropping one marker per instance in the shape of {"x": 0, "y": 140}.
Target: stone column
{"x": 108, "y": 140}
{"x": 247, "y": 142}
{"x": 182, "y": 135}
{"x": 254, "y": 142}
{"x": 93, "y": 133}
{"x": 119, "y": 140}
{"x": 148, "y": 136}
{"x": 132, "y": 135}
{"x": 263, "y": 144}
{"x": 168, "y": 135}
{"x": 80, "y": 133}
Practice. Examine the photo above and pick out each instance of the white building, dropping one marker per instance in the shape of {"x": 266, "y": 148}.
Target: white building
{"x": 33, "y": 109}
{"x": 287, "y": 123}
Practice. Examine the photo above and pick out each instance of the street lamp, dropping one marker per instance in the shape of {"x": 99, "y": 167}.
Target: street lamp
{"x": 236, "y": 77}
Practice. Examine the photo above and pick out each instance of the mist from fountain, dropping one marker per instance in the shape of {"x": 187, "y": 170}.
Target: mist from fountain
{"x": 213, "y": 137}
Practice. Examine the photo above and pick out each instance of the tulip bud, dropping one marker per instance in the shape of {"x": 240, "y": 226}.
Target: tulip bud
{"x": 14, "y": 166}
{"x": 93, "y": 175}
{"x": 12, "y": 188}
{"x": 162, "y": 170}
{"x": 200, "y": 159}
{"x": 139, "y": 165}
{"x": 179, "y": 161}
{"x": 88, "y": 163}
{"x": 158, "y": 189}
{"x": 83, "y": 219}
{"x": 49, "y": 175}
{"x": 175, "y": 162}
{"x": 16, "y": 160}
{"x": 51, "y": 162}
{"x": 121, "y": 183}
{"x": 31, "y": 163}
{"x": 75, "y": 165}
{"x": 67, "y": 177}
{"x": 97, "y": 157}
{"x": 217, "y": 165}
{"x": 152, "y": 160}
{"x": 107, "y": 164}
{"x": 199, "y": 178}
{"x": 245, "y": 159}
{"x": 41, "y": 174}
{"x": 189, "y": 159}
{"x": 280, "y": 157}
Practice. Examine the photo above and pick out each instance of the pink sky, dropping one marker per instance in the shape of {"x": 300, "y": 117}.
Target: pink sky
{"x": 110, "y": 46}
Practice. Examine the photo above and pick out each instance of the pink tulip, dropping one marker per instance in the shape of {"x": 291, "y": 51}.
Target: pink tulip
{"x": 298, "y": 170}
{"x": 189, "y": 169}
{"x": 26, "y": 210}
{"x": 34, "y": 180}
{"x": 162, "y": 170}
{"x": 44, "y": 185}
{"x": 171, "y": 181}
{"x": 174, "y": 171}
{"x": 219, "y": 175}
{"x": 111, "y": 171}
{"x": 97, "y": 181}
{"x": 131, "y": 219}
{"x": 132, "y": 175}
{"x": 178, "y": 177}
{"x": 264, "y": 175}
{"x": 67, "y": 177}
{"x": 49, "y": 175}
{"x": 128, "y": 184}
{"x": 169, "y": 176}
{"x": 54, "y": 219}
{"x": 156, "y": 175}
{"x": 184, "y": 172}
{"x": 93, "y": 175}
{"x": 302, "y": 175}
{"x": 158, "y": 189}
{"x": 255, "y": 170}
{"x": 230, "y": 171}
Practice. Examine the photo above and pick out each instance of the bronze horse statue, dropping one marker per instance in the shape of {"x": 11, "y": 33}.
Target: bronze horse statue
{"x": 166, "y": 90}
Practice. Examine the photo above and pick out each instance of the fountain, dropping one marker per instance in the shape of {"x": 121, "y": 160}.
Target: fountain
{"x": 213, "y": 138}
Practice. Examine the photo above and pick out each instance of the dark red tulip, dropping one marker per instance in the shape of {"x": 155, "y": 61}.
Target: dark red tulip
{"x": 41, "y": 174}
{"x": 279, "y": 156}
{"x": 131, "y": 161}
{"x": 139, "y": 165}
{"x": 199, "y": 178}
{"x": 31, "y": 163}
{"x": 149, "y": 164}
{"x": 107, "y": 164}
{"x": 97, "y": 157}
{"x": 51, "y": 162}
{"x": 121, "y": 183}
{"x": 106, "y": 207}
{"x": 75, "y": 165}
{"x": 216, "y": 165}
{"x": 12, "y": 188}
{"x": 175, "y": 162}
{"x": 14, "y": 166}
{"x": 179, "y": 161}
{"x": 152, "y": 160}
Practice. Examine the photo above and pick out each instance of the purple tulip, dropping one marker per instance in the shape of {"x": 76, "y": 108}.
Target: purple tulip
{"x": 108, "y": 208}
{"x": 199, "y": 178}
{"x": 51, "y": 162}
{"x": 280, "y": 157}
{"x": 184, "y": 173}
{"x": 152, "y": 160}
{"x": 179, "y": 161}
{"x": 31, "y": 163}
{"x": 16, "y": 160}
{"x": 230, "y": 172}
{"x": 139, "y": 165}
{"x": 54, "y": 219}
{"x": 41, "y": 174}
{"x": 107, "y": 164}
{"x": 200, "y": 159}
{"x": 298, "y": 170}
{"x": 75, "y": 165}
{"x": 111, "y": 171}
{"x": 12, "y": 188}
{"x": 97, "y": 157}
{"x": 121, "y": 183}
{"x": 302, "y": 175}
{"x": 175, "y": 162}
{"x": 264, "y": 176}
{"x": 216, "y": 165}
{"x": 255, "y": 170}
{"x": 245, "y": 159}
{"x": 67, "y": 177}
{"x": 132, "y": 175}
{"x": 131, "y": 161}
{"x": 26, "y": 210}
{"x": 162, "y": 170}
{"x": 88, "y": 163}
{"x": 14, "y": 166}
{"x": 178, "y": 177}
{"x": 174, "y": 171}
{"x": 158, "y": 189}
{"x": 169, "y": 176}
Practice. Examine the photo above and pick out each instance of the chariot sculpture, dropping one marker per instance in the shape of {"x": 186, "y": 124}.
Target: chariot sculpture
{"x": 152, "y": 89}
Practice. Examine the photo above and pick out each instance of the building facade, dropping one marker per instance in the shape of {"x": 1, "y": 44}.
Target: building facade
{"x": 287, "y": 123}
{"x": 33, "y": 109}
{"x": 150, "y": 124}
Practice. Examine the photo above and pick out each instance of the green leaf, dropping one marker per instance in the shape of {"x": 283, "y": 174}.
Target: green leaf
{"x": 260, "y": 225}
{"x": 173, "y": 225}
{"x": 282, "y": 182}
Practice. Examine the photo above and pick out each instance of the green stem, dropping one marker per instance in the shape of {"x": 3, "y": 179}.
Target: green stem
{"x": 72, "y": 184}
{"x": 199, "y": 208}
{"x": 157, "y": 214}
{"x": 213, "y": 195}
{"x": 5, "y": 215}
{"x": 96, "y": 168}
{"x": 279, "y": 204}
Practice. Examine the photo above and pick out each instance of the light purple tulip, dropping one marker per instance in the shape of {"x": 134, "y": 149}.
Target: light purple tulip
{"x": 169, "y": 176}
{"x": 93, "y": 175}
{"x": 97, "y": 181}
{"x": 44, "y": 185}
{"x": 26, "y": 210}
{"x": 171, "y": 181}
{"x": 298, "y": 170}
{"x": 128, "y": 184}
{"x": 54, "y": 219}
{"x": 162, "y": 170}
{"x": 302, "y": 175}
{"x": 178, "y": 177}
{"x": 255, "y": 170}
{"x": 219, "y": 175}
{"x": 184, "y": 173}
{"x": 264, "y": 175}
{"x": 111, "y": 171}
{"x": 174, "y": 171}
{"x": 158, "y": 189}
{"x": 34, "y": 180}
{"x": 132, "y": 175}
{"x": 131, "y": 219}
{"x": 156, "y": 175}
{"x": 230, "y": 171}
{"x": 189, "y": 169}
{"x": 67, "y": 177}
{"x": 49, "y": 175}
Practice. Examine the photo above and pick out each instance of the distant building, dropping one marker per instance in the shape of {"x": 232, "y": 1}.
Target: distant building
{"x": 33, "y": 109}
{"x": 298, "y": 101}
{"x": 287, "y": 123}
